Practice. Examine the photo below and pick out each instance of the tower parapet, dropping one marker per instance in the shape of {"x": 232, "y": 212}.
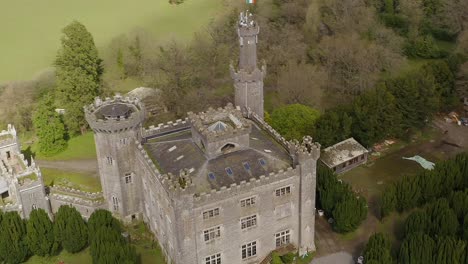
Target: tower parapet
{"x": 115, "y": 115}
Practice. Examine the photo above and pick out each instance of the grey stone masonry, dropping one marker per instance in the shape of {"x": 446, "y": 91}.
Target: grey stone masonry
{"x": 117, "y": 124}
{"x": 248, "y": 79}
{"x": 21, "y": 184}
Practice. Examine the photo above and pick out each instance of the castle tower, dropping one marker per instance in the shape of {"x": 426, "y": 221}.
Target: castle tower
{"x": 117, "y": 124}
{"x": 307, "y": 155}
{"x": 248, "y": 80}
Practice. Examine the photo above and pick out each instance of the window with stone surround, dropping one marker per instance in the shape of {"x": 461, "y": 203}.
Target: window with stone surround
{"x": 249, "y": 221}
{"x": 213, "y": 259}
{"x": 110, "y": 161}
{"x": 249, "y": 250}
{"x": 283, "y": 191}
{"x": 212, "y": 233}
{"x": 210, "y": 213}
{"x": 282, "y": 238}
{"x": 123, "y": 141}
{"x": 247, "y": 202}
{"x": 128, "y": 178}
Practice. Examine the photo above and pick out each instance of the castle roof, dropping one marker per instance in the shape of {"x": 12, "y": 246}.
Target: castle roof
{"x": 176, "y": 152}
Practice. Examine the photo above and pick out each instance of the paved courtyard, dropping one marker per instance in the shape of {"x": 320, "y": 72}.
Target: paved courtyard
{"x": 336, "y": 258}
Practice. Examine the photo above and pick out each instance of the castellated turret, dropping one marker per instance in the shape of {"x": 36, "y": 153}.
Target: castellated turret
{"x": 248, "y": 79}
{"x": 117, "y": 125}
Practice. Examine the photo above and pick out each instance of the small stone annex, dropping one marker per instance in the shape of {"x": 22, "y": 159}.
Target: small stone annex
{"x": 218, "y": 187}
{"x": 344, "y": 156}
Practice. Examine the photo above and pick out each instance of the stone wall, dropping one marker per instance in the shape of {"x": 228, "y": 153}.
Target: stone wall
{"x": 86, "y": 203}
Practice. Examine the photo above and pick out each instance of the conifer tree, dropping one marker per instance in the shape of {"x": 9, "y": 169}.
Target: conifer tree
{"x": 13, "y": 246}
{"x": 108, "y": 246}
{"x": 99, "y": 219}
{"x": 49, "y": 127}
{"x": 79, "y": 71}
{"x": 70, "y": 229}
{"x": 449, "y": 251}
{"x": 417, "y": 248}
{"x": 40, "y": 234}
{"x": 378, "y": 249}
{"x": 417, "y": 222}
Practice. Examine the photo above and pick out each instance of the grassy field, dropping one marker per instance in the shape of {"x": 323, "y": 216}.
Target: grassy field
{"x": 80, "y": 147}
{"x": 80, "y": 181}
{"x": 31, "y": 30}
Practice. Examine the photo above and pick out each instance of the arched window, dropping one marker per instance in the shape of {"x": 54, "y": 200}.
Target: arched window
{"x": 228, "y": 148}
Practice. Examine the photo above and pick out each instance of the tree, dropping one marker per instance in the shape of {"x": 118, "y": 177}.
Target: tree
{"x": 443, "y": 221}
{"x": 375, "y": 116}
{"x": 79, "y": 70}
{"x": 459, "y": 203}
{"x": 101, "y": 218}
{"x": 417, "y": 222}
{"x": 349, "y": 213}
{"x": 337, "y": 119}
{"x": 294, "y": 121}
{"x": 449, "y": 251}
{"x": 417, "y": 248}
{"x": 13, "y": 246}
{"x": 108, "y": 246}
{"x": 445, "y": 83}
{"x": 300, "y": 83}
{"x": 49, "y": 127}
{"x": 388, "y": 201}
{"x": 408, "y": 193}
{"x": 378, "y": 249}
{"x": 40, "y": 234}
{"x": 70, "y": 229}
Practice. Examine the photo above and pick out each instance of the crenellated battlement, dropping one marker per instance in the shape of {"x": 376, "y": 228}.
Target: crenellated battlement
{"x": 244, "y": 186}
{"x": 162, "y": 129}
{"x": 75, "y": 192}
{"x": 242, "y": 75}
{"x": 115, "y": 114}
{"x": 77, "y": 200}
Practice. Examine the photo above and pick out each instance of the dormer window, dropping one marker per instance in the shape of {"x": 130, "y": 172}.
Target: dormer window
{"x": 229, "y": 171}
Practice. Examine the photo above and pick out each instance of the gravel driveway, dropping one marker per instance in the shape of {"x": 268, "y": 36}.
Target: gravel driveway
{"x": 335, "y": 258}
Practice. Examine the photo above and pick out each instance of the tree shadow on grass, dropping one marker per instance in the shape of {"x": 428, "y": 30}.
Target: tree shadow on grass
{"x": 28, "y": 154}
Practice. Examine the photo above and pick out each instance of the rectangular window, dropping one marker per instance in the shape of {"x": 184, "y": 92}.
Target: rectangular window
{"x": 283, "y": 191}
{"x": 123, "y": 141}
{"x": 229, "y": 171}
{"x": 210, "y": 213}
{"x": 249, "y": 250}
{"x": 212, "y": 233}
{"x": 213, "y": 259}
{"x": 128, "y": 178}
{"x": 247, "y": 202}
{"x": 249, "y": 221}
{"x": 109, "y": 160}
{"x": 282, "y": 238}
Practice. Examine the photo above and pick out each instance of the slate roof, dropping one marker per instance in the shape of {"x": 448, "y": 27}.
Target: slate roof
{"x": 177, "y": 151}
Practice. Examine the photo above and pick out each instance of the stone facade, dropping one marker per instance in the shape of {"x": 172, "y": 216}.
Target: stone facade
{"x": 21, "y": 184}
{"x": 220, "y": 184}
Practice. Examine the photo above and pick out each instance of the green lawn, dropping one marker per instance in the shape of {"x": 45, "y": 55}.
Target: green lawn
{"x": 147, "y": 256}
{"x": 80, "y": 147}
{"x": 84, "y": 182}
{"x": 67, "y": 258}
{"x": 31, "y": 30}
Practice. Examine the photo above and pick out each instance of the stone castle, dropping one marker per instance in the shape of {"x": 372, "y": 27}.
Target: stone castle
{"x": 220, "y": 186}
